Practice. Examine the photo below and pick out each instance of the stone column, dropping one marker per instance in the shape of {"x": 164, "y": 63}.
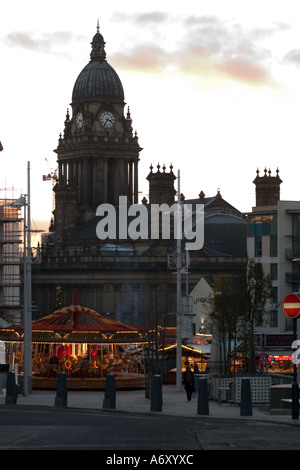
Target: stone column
{"x": 60, "y": 172}
{"x": 85, "y": 183}
{"x": 105, "y": 178}
{"x": 130, "y": 185}
{"x": 79, "y": 179}
{"x": 126, "y": 171}
{"x": 121, "y": 179}
{"x": 136, "y": 183}
{"x": 70, "y": 172}
{"x": 75, "y": 173}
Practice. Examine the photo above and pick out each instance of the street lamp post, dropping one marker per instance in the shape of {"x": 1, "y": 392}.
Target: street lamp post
{"x": 291, "y": 308}
{"x": 27, "y": 386}
{"x": 24, "y": 201}
{"x": 295, "y": 385}
{"x": 179, "y": 300}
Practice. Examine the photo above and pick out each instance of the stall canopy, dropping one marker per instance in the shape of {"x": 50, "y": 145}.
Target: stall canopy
{"x": 190, "y": 350}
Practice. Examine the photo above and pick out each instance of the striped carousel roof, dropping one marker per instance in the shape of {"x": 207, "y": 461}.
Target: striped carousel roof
{"x": 76, "y": 317}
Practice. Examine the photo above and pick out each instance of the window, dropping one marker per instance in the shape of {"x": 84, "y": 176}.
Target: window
{"x": 262, "y": 225}
{"x": 258, "y": 318}
{"x": 274, "y": 318}
{"x": 266, "y": 228}
{"x": 258, "y": 246}
{"x": 274, "y": 271}
{"x": 255, "y": 228}
{"x": 274, "y": 225}
{"x": 266, "y": 225}
{"x": 251, "y": 230}
{"x": 288, "y": 324}
{"x": 274, "y": 295}
{"x": 296, "y": 233}
{"x": 273, "y": 245}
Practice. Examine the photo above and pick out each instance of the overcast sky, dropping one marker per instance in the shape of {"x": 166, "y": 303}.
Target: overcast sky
{"x": 213, "y": 88}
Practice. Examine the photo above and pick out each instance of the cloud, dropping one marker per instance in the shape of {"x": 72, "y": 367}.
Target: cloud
{"x": 293, "y": 57}
{"x": 145, "y": 58}
{"x": 205, "y": 47}
{"x": 242, "y": 69}
{"x": 23, "y": 40}
{"x": 142, "y": 19}
{"x": 266, "y": 32}
{"x": 45, "y": 42}
{"x": 225, "y": 50}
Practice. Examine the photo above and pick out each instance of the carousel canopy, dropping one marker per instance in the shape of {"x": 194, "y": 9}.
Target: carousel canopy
{"x": 74, "y": 323}
{"x": 80, "y": 318}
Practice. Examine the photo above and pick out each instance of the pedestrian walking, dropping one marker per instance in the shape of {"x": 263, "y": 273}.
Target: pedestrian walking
{"x": 189, "y": 382}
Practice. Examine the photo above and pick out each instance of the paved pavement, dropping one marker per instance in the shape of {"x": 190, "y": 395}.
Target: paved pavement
{"x": 134, "y": 401}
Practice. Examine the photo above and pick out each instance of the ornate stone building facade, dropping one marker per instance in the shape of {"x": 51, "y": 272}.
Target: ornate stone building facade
{"x": 98, "y": 154}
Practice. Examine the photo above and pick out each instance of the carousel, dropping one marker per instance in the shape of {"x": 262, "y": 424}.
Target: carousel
{"x": 82, "y": 343}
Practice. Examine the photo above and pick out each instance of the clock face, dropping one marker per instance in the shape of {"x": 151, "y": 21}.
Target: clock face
{"x": 79, "y": 120}
{"x": 107, "y": 119}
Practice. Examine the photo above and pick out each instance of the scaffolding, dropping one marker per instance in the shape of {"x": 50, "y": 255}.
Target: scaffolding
{"x": 10, "y": 261}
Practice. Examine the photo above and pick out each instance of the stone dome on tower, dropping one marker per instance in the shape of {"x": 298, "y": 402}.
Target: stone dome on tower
{"x": 98, "y": 79}
{"x": 98, "y": 153}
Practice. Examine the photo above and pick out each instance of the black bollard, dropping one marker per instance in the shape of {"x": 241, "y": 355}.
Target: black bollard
{"x": 156, "y": 393}
{"x": 202, "y": 407}
{"x": 11, "y": 389}
{"x": 61, "y": 398}
{"x": 109, "y": 400}
{"x": 246, "y": 402}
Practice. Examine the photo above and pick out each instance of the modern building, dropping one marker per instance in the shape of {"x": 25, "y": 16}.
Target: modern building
{"x": 273, "y": 240}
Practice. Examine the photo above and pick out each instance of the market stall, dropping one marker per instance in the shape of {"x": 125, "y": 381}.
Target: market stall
{"x": 82, "y": 343}
{"x": 194, "y": 354}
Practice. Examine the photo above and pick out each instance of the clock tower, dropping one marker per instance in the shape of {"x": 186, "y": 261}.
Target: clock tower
{"x": 98, "y": 153}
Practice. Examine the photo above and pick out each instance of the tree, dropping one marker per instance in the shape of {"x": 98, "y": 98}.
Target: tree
{"x": 225, "y": 316}
{"x": 258, "y": 291}
{"x": 236, "y": 305}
